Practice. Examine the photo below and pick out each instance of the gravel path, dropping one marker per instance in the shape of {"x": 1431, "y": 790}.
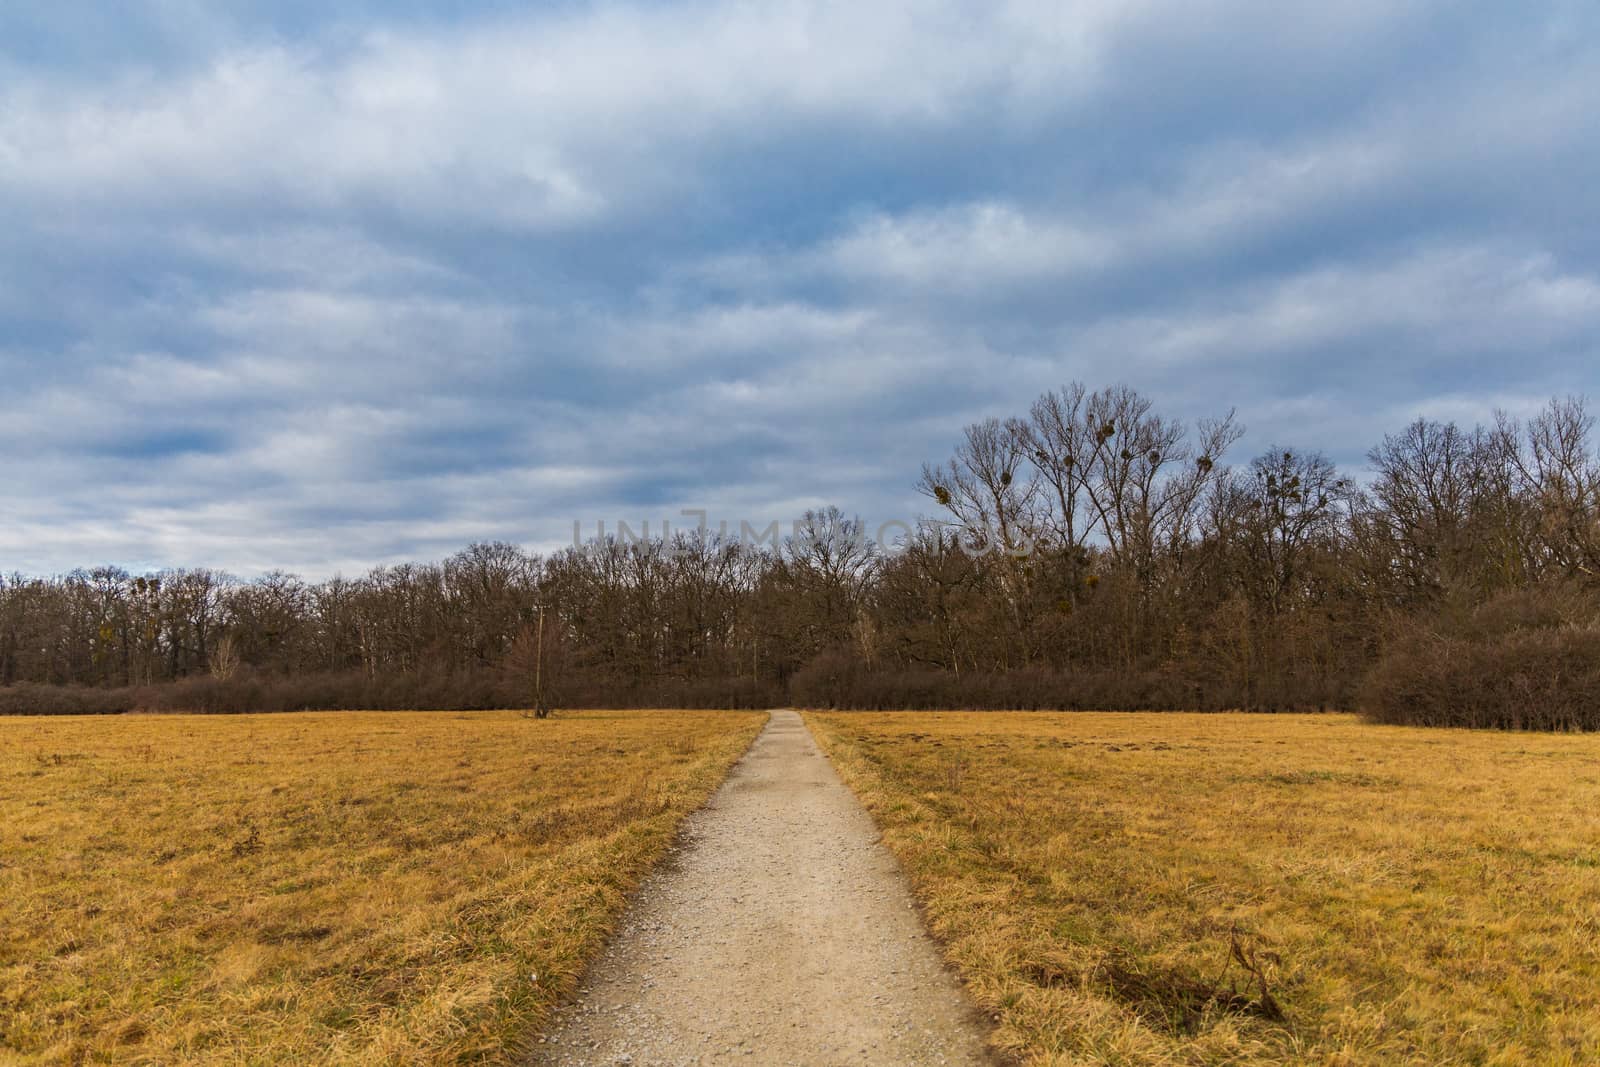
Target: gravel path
{"x": 781, "y": 933}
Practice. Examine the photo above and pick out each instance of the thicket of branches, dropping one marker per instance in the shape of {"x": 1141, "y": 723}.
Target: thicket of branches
{"x": 1088, "y": 553}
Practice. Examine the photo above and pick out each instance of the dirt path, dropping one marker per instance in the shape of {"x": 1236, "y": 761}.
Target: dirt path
{"x": 782, "y": 933}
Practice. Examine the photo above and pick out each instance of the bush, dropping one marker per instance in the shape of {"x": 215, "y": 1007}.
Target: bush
{"x": 1537, "y": 679}
{"x": 28, "y": 699}
{"x": 838, "y": 680}
{"x": 1528, "y": 660}
{"x": 389, "y": 691}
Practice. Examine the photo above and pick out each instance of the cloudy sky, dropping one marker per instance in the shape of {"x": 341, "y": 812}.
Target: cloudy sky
{"x": 326, "y": 285}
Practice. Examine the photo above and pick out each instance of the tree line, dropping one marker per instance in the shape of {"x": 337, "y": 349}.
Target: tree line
{"x": 1089, "y": 552}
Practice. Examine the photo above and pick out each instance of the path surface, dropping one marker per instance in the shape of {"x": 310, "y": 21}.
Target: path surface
{"x": 781, "y": 933}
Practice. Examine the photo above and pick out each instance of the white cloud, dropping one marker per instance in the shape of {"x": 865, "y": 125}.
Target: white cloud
{"x": 543, "y": 122}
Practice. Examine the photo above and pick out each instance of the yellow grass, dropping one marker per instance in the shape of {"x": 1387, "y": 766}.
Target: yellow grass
{"x": 1409, "y": 896}
{"x": 333, "y": 887}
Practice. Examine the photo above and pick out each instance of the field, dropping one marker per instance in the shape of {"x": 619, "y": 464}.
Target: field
{"x": 336, "y": 887}
{"x": 1208, "y": 889}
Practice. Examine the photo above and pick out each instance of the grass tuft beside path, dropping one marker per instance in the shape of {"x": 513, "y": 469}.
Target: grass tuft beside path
{"x": 333, "y": 887}
{"x": 1233, "y": 889}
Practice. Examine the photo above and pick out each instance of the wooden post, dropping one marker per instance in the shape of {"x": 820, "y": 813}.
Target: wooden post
{"x": 539, "y": 709}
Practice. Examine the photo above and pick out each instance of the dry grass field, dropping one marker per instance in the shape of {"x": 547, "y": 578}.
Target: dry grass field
{"x": 338, "y": 887}
{"x": 1209, "y": 889}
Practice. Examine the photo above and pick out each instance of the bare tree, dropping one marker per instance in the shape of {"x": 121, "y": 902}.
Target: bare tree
{"x": 988, "y": 486}
{"x": 224, "y": 661}
{"x": 1564, "y": 474}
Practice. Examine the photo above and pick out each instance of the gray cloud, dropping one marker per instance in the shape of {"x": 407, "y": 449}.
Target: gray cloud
{"x": 287, "y": 288}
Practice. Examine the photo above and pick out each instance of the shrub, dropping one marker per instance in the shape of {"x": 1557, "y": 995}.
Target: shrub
{"x": 838, "y": 680}
{"x": 1529, "y": 660}
{"x": 248, "y": 691}
{"x": 27, "y": 699}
